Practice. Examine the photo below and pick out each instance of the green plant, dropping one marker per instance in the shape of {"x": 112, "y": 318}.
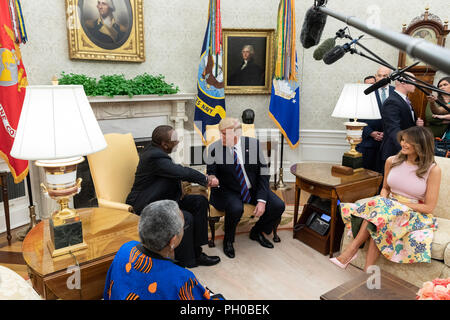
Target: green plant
{"x": 112, "y": 85}
{"x": 88, "y": 83}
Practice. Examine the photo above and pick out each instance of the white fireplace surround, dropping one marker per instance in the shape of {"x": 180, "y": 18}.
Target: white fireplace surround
{"x": 141, "y": 114}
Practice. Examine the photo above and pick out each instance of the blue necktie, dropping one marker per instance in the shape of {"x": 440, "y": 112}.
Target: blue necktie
{"x": 245, "y": 193}
{"x": 383, "y": 94}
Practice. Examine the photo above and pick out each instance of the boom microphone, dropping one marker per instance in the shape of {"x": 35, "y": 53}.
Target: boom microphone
{"x": 312, "y": 28}
{"x": 326, "y": 46}
{"x": 377, "y": 85}
{"x": 338, "y": 52}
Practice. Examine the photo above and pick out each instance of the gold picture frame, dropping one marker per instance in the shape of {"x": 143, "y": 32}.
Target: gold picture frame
{"x": 255, "y": 76}
{"x": 90, "y": 38}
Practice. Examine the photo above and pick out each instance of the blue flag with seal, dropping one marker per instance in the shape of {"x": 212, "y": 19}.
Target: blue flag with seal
{"x": 210, "y": 102}
{"x": 284, "y": 107}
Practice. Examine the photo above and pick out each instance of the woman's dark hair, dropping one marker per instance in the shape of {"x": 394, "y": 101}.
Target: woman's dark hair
{"x": 443, "y": 79}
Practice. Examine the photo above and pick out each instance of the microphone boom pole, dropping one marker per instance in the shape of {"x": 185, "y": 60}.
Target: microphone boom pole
{"x": 426, "y": 51}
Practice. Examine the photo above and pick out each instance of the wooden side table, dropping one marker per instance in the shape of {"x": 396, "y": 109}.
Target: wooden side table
{"x": 104, "y": 231}
{"x": 391, "y": 288}
{"x": 317, "y": 179}
{"x": 4, "y": 185}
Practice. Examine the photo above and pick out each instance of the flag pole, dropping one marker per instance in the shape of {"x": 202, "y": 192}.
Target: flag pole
{"x": 280, "y": 184}
{"x": 22, "y": 234}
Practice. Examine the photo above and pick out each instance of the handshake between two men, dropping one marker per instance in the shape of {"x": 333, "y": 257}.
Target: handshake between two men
{"x": 244, "y": 181}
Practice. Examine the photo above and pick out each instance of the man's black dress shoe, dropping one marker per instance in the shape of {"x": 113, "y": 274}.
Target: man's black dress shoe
{"x": 228, "y": 249}
{"x": 205, "y": 260}
{"x": 261, "y": 239}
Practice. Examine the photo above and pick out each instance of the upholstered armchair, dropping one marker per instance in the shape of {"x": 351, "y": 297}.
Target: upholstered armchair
{"x": 418, "y": 273}
{"x": 212, "y": 135}
{"x": 113, "y": 170}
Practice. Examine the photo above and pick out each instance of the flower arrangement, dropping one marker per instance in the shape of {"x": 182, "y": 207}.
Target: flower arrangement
{"x": 438, "y": 289}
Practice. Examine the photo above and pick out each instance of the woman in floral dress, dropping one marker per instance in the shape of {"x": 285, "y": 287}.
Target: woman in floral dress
{"x": 399, "y": 222}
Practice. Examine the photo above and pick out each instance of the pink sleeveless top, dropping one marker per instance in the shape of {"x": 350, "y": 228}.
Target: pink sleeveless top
{"x": 403, "y": 180}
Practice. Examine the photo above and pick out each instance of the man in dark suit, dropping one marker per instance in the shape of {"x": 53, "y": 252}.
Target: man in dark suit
{"x": 373, "y": 133}
{"x": 397, "y": 114}
{"x": 159, "y": 178}
{"x": 239, "y": 165}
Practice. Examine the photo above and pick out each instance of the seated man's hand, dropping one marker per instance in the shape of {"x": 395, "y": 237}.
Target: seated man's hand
{"x": 213, "y": 182}
{"x": 260, "y": 209}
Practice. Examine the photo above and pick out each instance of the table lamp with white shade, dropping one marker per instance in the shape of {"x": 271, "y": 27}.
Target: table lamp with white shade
{"x": 354, "y": 104}
{"x": 57, "y": 127}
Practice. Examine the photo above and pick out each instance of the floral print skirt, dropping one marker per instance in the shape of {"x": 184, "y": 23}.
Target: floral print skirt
{"x": 401, "y": 234}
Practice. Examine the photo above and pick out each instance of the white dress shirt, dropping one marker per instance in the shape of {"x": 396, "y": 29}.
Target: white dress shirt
{"x": 386, "y": 91}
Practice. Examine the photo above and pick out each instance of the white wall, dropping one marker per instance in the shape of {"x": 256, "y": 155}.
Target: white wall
{"x": 174, "y": 32}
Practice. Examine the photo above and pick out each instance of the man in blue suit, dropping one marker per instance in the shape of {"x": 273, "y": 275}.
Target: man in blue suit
{"x": 373, "y": 132}
{"x": 397, "y": 114}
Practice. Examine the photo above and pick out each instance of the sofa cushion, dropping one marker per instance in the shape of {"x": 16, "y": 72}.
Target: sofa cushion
{"x": 441, "y": 239}
{"x": 442, "y": 210}
{"x": 447, "y": 255}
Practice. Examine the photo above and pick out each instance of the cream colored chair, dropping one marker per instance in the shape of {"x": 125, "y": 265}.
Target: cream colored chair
{"x": 113, "y": 170}
{"x": 212, "y": 135}
{"x": 418, "y": 273}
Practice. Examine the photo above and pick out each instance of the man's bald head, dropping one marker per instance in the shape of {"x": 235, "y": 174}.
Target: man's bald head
{"x": 382, "y": 72}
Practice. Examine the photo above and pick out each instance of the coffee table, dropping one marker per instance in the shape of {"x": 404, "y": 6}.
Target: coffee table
{"x": 104, "y": 231}
{"x": 391, "y": 288}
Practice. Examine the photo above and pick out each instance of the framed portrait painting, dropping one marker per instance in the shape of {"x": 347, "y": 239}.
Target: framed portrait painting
{"x": 248, "y": 60}
{"x": 106, "y": 30}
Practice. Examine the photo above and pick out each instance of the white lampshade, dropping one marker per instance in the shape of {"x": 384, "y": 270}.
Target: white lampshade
{"x": 354, "y": 104}
{"x": 57, "y": 122}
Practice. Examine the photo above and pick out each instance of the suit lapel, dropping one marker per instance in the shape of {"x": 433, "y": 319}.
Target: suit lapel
{"x": 406, "y": 107}
{"x": 377, "y": 95}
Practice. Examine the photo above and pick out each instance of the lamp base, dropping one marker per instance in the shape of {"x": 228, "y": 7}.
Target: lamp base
{"x": 354, "y": 162}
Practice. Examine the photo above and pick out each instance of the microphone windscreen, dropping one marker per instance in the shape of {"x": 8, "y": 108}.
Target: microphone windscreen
{"x": 377, "y": 85}
{"x": 334, "y": 55}
{"x": 326, "y": 46}
{"x": 312, "y": 28}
